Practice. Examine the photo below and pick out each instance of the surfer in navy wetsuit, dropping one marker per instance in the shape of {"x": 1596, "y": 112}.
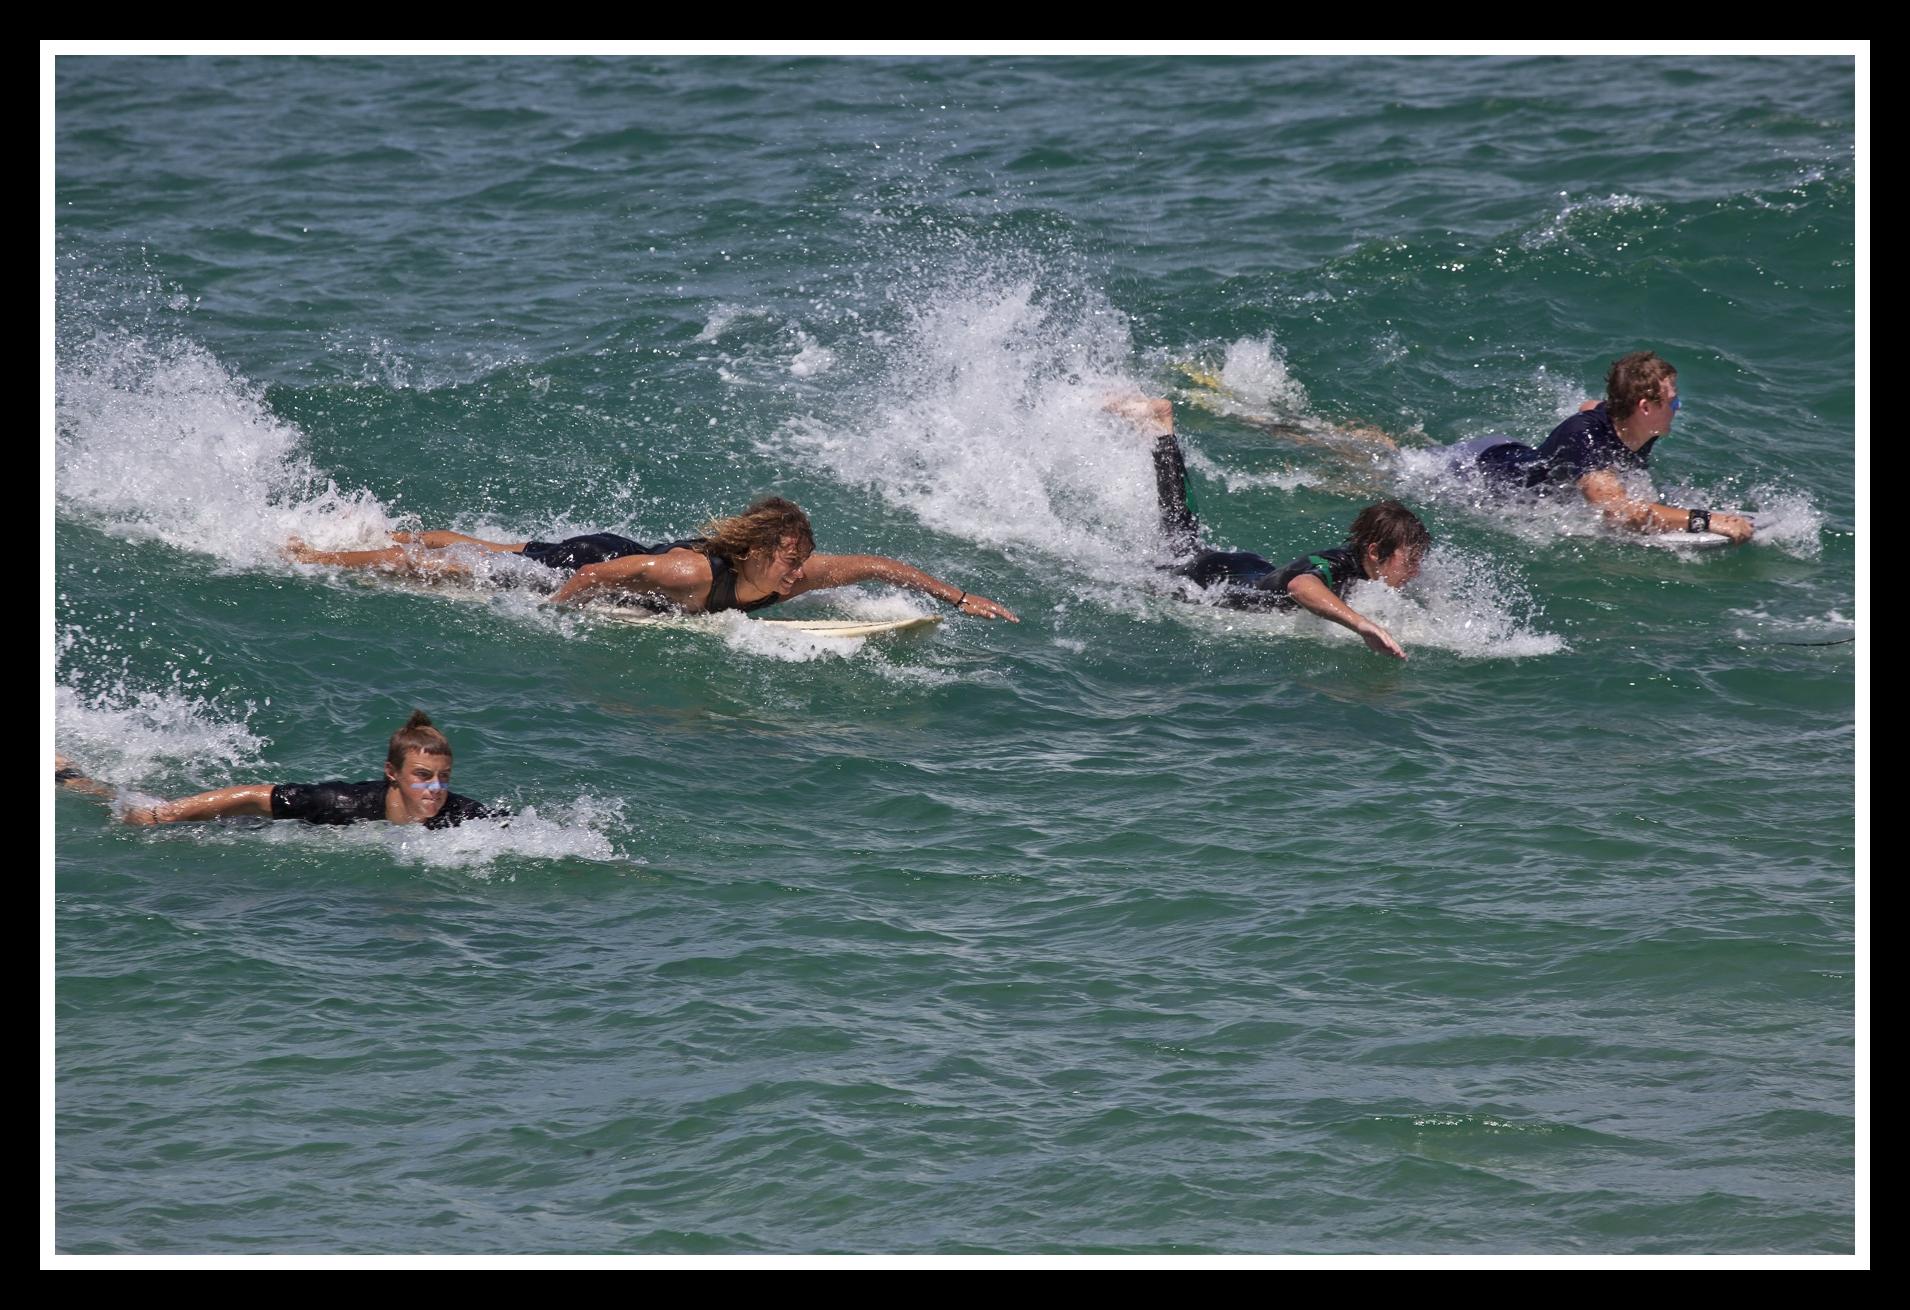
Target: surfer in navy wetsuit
{"x": 1386, "y": 544}
{"x": 1597, "y": 446}
{"x": 416, "y": 789}
{"x": 744, "y": 562}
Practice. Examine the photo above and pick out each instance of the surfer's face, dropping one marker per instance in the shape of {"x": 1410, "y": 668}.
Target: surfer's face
{"x": 424, "y": 784}
{"x": 1656, "y": 414}
{"x": 780, "y": 571}
{"x": 1396, "y": 570}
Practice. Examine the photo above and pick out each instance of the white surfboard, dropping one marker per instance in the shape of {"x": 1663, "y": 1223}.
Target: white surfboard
{"x": 469, "y": 595}
{"x": 1680, "y": 540}
{"x": 806, "y": 627}
{"x": 1689, "y": 540}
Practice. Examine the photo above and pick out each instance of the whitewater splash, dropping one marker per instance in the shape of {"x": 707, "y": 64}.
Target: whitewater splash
{"x": 159, "y": 440}
{"x": 1461, "y": 603}
{"x": 989, "y": 425}
{"x": 130, "y": 735}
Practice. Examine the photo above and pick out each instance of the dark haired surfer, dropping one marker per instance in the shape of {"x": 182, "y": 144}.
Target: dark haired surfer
{"x": 1386, "y": 544}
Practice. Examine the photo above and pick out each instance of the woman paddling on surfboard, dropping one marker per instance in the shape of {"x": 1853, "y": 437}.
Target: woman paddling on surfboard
{"x": 743, "y": 562}
{"x": 1386, "y": 544}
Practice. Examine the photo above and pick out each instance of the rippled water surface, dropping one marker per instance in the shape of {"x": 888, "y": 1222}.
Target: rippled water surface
{"x": 1139, "y": 925}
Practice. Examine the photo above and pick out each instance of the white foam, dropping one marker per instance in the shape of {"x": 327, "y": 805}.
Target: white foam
{"x": 873, "y": 605}
{"x": 989, "y": 426}
{"x": 587, "y": 828}
{"x": 1234, "y": 479}
{"x": 582, "y": 829}
{"x": 740, "y": 633}
{"x": 1461, "y": 603}
{"x": 125, "y": 734}
{"x": 1786, "y": 520}
{"x": 1255, "y": 370}
{"x": 811, "y": 358}
{"x": 159, "y": 440}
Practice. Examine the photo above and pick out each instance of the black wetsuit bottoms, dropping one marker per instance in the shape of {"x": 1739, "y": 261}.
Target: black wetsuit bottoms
{"x": 597, "y": 548}
{"x": 1244, "y": 580}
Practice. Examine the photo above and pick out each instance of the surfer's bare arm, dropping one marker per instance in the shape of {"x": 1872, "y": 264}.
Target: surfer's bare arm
{"x": 1316, "y": 596}
{"x": 254, "y": 799}
{"x": 1604, "y": 490}
{"x": 820, "y": 571}
{"x": 681, "y": 575}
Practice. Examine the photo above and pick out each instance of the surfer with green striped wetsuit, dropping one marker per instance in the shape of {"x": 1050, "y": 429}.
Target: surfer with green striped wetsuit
{"x": 1386, "y": 544}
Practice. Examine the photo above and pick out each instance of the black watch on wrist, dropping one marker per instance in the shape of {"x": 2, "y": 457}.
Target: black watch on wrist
{"x": 1700, "y": 521}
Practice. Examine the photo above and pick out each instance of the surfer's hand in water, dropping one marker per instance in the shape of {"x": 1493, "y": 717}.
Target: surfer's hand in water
{"x": 1734, "y": 526}
{"x": 1379, "y": 640}
{"x": 297, "y": 551}
{"x": 72, "y": 779}
{"x": 983, "y": 608}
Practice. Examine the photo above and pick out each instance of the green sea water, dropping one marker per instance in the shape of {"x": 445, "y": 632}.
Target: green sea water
{"x": 1140, "y": 925}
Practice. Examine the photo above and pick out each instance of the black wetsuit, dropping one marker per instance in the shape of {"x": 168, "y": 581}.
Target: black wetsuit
{"x": 1251, "y": 582}
{"x": 1248, "y": 581}
{"x": 601, "y": 547}
{"x": 363, "y": 802}
{"x": 1584, "y": 443}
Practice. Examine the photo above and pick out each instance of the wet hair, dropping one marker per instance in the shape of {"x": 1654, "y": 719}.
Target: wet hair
{"x": 1636, "y": 377}
{"x": 416, "y": 735}
{"x": 1388, "y": 526}
{"x": 763, "y": 526}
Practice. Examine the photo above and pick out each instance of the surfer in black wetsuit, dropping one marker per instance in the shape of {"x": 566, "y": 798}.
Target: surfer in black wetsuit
{"x": 743, "y": 562}
{"x": 1595, "y": 447}
{"x": 1386, "y": 544}
{"x": 416, "y": 789}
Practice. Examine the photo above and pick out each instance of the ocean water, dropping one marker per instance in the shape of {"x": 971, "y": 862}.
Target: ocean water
{"x": 1139, "y": 925}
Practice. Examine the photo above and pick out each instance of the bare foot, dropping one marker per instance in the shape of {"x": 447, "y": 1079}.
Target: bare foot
{"x": 1149, "y": 412}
